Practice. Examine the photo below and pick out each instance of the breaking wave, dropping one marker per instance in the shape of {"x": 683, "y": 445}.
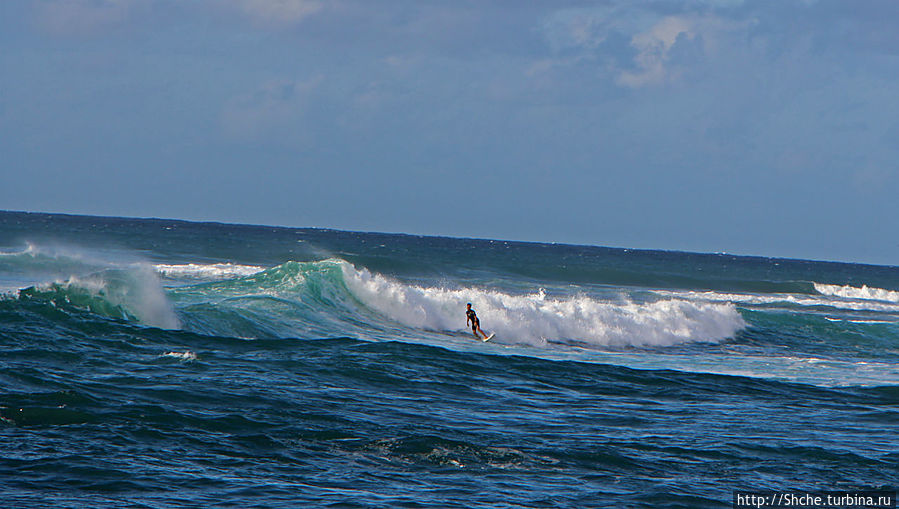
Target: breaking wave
{"x": 536, "y": 318}
{"x": 831, "y": 296}
{"x": 334, "y": 298}
{"x": 135, "y": 294}
{"x": 861, "y": 293}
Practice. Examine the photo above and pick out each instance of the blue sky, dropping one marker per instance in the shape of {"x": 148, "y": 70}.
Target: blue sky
{"x": 767, "y": 128}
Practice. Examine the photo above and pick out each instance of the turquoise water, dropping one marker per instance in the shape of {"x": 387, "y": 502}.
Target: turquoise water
{"x": 157, "y": 363}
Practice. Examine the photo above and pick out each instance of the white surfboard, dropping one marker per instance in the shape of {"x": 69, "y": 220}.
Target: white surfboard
{"x": 488, "y": 338}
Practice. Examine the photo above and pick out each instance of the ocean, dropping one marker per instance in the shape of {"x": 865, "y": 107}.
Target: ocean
{"x": 163, "y": 363}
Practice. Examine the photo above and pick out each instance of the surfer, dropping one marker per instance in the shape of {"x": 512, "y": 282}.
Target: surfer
{"x": 475, "y": 323}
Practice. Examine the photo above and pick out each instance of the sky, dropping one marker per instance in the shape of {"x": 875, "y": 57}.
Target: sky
{"x": 749, "y": 127}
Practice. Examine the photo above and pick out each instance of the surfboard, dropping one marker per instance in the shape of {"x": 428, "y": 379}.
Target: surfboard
{"x": 488, "y": 338}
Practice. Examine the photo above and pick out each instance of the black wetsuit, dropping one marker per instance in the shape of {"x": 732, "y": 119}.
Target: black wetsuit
{"x": 475, "y": 323}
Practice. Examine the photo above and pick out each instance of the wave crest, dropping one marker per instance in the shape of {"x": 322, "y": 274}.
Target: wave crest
{"x": 536, "y": 318}
{"x": 212, "y": 271}
{"x": 864, "y": 292}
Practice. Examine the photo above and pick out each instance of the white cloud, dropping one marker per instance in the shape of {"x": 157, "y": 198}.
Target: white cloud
{"x": 651, "y": 38}
{"x": 653, "y": 47}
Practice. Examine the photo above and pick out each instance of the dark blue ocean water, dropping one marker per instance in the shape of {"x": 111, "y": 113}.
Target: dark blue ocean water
{"x": 157, "y": 363}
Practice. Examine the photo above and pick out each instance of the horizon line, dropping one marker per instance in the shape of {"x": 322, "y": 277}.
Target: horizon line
{"x": 432, "y": 235}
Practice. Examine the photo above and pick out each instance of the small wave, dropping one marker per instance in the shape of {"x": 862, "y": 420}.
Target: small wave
{"x": 182, "y": 356}
{"x": 65, "y": 260}
{"x": 830, "y": 319}
{"x": 55, "y": 254}
{"x": 53, "y": 261}
{"x": 859, "y": 293}
{"x": 775, "y": 299}
{"x": 214, "y": 271}
{"x": 29, "y": 250}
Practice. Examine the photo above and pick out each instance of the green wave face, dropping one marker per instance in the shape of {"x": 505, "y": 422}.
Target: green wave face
{"x": 63, "y": 295}
{"x": 291, "y": 299}
{"x": 294, "y": 299}
{"x": 134, "y": 294}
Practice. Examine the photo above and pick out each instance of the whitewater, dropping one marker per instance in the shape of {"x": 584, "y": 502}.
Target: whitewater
{"x": 167, "y": 363}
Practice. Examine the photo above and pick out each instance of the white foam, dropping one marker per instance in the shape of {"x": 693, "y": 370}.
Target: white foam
{"x": 183, "y": 356}
{"x": 782, "y": 298}
{"x": 829, "y": 319}
{"x": 860, "y": 293}
{"x": 536, "y": 318}
{"x": 214, "y": 271}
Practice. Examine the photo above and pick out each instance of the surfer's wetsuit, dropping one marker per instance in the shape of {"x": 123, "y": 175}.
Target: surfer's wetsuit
{"x": 475, "y": 323}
